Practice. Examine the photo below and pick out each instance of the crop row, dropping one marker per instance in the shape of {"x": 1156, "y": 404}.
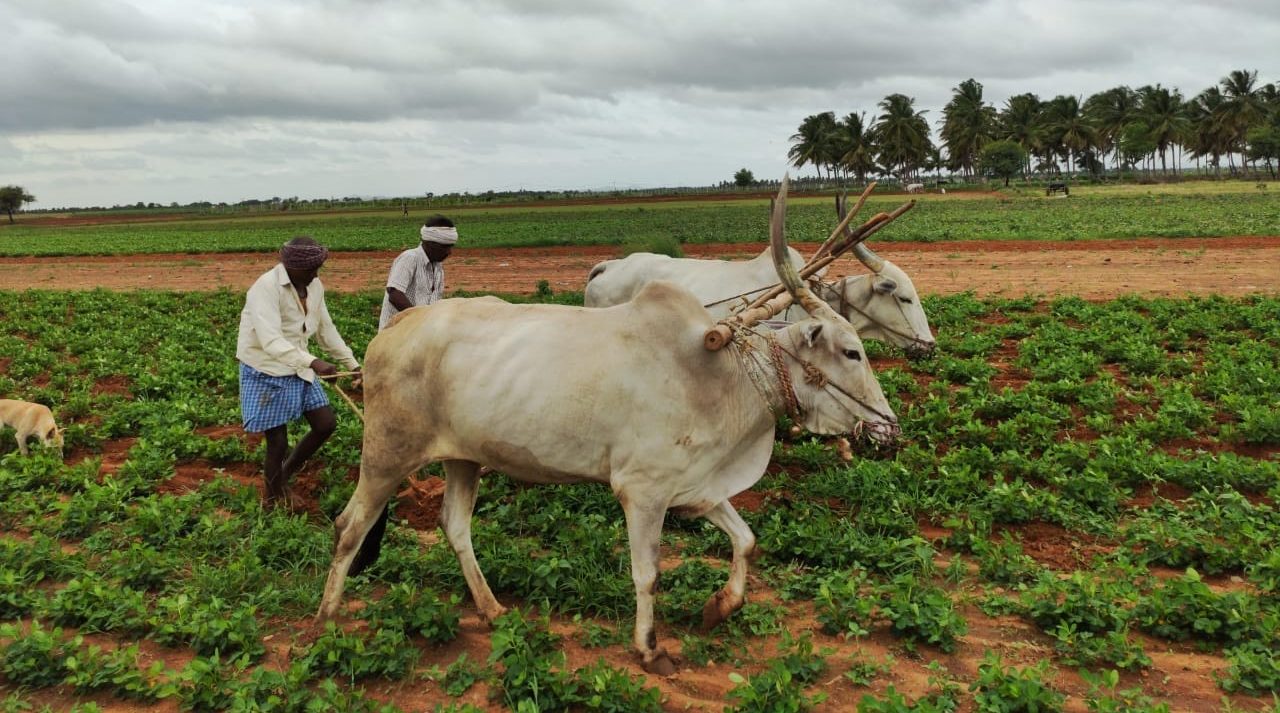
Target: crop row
{"x": 1028, "y": 217}
{"x": 1144, "y": 430}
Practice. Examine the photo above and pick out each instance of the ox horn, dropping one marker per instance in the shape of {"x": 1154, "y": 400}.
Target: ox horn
{"x": 874, "y": 262}
{"x": 786, "y": 271}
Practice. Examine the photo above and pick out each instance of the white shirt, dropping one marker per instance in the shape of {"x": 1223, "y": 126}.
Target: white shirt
{"x": 275, "y": 328}
{"x": 421, "y": 280}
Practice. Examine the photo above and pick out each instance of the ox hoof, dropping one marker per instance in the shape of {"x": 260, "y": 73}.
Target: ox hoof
{"x": 493, "y": 614}
{"x": 660, "y": 665}
{"x": 717, "y": 609}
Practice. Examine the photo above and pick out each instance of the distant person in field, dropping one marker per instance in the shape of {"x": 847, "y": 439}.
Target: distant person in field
{"x": 417, "y": 275}
{"x": 279, "y": 380}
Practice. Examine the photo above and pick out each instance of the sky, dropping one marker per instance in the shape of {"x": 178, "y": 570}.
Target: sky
{"x": 108, "y": 102}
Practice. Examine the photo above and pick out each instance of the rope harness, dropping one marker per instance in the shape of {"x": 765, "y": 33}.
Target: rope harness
{"x": 845, "y": 304}
{"x": 777, "y": 389}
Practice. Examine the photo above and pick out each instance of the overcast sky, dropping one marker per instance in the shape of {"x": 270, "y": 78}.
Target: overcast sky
{"x": 107, "y": 102}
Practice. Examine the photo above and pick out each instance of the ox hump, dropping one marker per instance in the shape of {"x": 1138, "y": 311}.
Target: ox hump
{"x": 671, "y": 300}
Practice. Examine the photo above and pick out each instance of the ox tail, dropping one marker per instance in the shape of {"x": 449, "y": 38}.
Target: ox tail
{"x": 371, "y": 548}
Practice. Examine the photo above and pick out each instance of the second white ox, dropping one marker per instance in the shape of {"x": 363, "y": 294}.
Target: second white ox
{"x": 626, "y": 396}
{"x": 883, "y": 305}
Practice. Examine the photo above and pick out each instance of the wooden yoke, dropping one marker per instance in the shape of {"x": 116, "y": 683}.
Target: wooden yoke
{"x": 844, "y": 217}
{"x": 776, "y": 299}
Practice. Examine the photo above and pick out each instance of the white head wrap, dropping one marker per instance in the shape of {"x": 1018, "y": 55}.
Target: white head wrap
{"x": 443, "y": 236}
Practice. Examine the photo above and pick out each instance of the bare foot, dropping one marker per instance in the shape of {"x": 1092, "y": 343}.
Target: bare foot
{"x": 660, "y": 665}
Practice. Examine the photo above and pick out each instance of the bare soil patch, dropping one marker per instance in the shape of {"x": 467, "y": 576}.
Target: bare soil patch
{"x": 1097, "y": 269}
{"x": 1055, "y": 547}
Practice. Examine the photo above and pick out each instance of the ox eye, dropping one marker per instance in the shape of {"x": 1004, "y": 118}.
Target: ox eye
{"x": 853, "y": 354}
{"x": 905, "y": 300}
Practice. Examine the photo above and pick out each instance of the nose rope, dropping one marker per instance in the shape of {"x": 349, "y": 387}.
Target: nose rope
{"x": 827, "y": 384}
{"x": 812, "y": 375}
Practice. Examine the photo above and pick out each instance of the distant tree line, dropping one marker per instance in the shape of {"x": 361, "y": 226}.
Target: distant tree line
{"x": 1121, "y": 128}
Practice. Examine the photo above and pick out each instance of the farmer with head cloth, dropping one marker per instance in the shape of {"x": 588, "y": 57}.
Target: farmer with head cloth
{"x": 416, "y": 279}
{"x": 278, "y": 375}
{"x": 417, "y": 275}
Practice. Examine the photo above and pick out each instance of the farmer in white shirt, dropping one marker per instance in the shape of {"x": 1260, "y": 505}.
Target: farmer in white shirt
{"x": 417, "y": 275}
{"x": 278, "y": 375}
{"x": 416, "y": 278}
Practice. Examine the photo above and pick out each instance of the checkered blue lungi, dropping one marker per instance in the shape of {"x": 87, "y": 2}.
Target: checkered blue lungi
{"x": 270, "y": 401}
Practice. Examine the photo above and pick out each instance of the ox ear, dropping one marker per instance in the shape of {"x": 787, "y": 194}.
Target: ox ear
{"x": 884, "y": 287}
{"x": 811, "y": 333}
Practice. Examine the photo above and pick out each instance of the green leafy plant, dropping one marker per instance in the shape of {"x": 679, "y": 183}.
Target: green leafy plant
{"x": 382, "y": 652}
{"x": 602, "y": 687}
{"x": 862, "y": 672}
{"x": 1254, "y": 667}
{"x": 1088, "y": 604}
{"x": 780, "y": 687}
{"x": 36, "y": 656}
{"x": 1001, "y": 689}
{"x": 118, "y": 671}
{"x": 532, "y": 666}
{"x": 461, "y": 675}
{"x": 1104, "y": 698}
{"x": 846, "y": 603}
{"x": 921, "y": 613}
{"x": 93, "y": 605}
{"x": 415, "y": 610}
{"x": 1087, "y": 648}
{"x": 1185, "y": 608}
{"x": 210, "y": 627}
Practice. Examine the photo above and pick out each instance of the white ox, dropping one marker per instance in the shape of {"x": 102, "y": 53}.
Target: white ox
{"x": 915, "y": 188}
{"x": 626, "y": 396}
{"x": 883, "y": 305}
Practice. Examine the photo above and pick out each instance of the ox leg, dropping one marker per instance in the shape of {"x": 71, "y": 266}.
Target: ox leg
{"x": 461, "y": 484}
{"x": 362, "y": 511}
{"x": 734, "y": 595}
{"x": 644, "y": 531}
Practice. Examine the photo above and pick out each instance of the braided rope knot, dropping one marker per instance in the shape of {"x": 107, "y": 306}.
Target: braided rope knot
{"x": 813, "y": 375}
{"x": 784, "y": 378}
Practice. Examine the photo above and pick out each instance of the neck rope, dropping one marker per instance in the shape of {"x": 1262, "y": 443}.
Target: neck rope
{"x": 777, "y": 389}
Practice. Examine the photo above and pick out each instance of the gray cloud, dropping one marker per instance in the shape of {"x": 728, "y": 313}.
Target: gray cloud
{"x": 555, "y": 83}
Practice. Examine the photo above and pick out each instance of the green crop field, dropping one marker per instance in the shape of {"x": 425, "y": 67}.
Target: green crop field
{"x": 1181, "y": 210}
{"x": 1144, "y": 433}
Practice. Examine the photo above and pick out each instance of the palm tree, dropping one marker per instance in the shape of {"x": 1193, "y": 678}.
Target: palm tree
{"x": 1021, "y": 123}
{"x": 967, "y": 125}
{"x": 1165, "y": 114}
{"x": 1111, "y": 111}
{"x": 1209, "y": 136}
{"x": 813, "y": 143}
{"x": 1242, "y": 107}
{"x": 1270, "y": 96}
{"x": 1134, "y": 144}
{"x": 853, "y": 144}
{"x": 1069, "y": 129}
{"x": 902, "y": 134}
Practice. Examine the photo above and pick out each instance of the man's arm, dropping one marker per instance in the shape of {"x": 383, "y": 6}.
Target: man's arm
{"x": 327, "y": 334}
{"x": 398, "y": 280}
{"x": 398, "y": 299}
